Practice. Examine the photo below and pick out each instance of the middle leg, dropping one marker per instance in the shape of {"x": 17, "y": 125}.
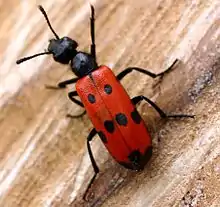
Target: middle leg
{"x": 77, "y": 102}
{"x": 71, "y": 97}
{"x": 162, "y": 114}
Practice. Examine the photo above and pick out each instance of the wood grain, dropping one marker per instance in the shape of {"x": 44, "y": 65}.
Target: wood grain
{"x": 43, "y": 157}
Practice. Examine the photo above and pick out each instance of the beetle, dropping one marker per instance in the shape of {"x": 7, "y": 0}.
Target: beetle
{"x": 109, "y": 107}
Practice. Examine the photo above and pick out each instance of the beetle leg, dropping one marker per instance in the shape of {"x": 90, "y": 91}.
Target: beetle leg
{"x": 94, "y": 165}
{"x": 162, "y": 114}
{"x": 76, "y": 116}
{"x": 71, "y": 97}
{"x": 121, "y": 75}
{"x": 92, "y": 32}
{"x": 62, "y": 85}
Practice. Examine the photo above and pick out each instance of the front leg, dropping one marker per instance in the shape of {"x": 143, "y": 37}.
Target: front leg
{"x": 126, "y": 71}
{"x": 62, "y": 85}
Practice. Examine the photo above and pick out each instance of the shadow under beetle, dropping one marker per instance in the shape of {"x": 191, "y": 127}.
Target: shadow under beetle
{"x": 113, "y": 114}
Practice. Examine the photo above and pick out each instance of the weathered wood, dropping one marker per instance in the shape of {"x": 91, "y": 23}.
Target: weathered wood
{"x": 44, "y": 161}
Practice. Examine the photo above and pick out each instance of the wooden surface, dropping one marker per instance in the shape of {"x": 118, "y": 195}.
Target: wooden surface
{"x": 43, "y": 156}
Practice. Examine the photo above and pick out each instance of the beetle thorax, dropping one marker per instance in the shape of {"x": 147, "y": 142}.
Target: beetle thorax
{"x": 83, "y": 63}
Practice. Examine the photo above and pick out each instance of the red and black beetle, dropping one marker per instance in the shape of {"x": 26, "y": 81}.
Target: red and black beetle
{"x": 113, "y": 114}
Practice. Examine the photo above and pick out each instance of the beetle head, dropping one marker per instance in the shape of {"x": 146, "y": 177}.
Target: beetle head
{"x": 63, "y": 49}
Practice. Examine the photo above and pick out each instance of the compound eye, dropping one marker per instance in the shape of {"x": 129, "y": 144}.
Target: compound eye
{"x": 75, "y": 44}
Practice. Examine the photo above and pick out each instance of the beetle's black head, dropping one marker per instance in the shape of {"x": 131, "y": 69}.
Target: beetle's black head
{"x": 63, "y": 49}
{"x": 83, "y": 63}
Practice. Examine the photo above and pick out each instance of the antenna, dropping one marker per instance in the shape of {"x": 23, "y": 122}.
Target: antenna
{"x": 48, "y": 22}
{"x": 33, "y": 56}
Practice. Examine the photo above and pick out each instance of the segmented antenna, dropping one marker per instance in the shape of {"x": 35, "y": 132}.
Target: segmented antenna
{"x": 33, "y": 56}
{"x": 51, "y": 28}
{"x": 48, "y": 22}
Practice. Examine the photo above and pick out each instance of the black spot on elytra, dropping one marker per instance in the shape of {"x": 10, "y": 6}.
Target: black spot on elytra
{"x": 121, "y": 119}
{"x": 102, "y": 136}
{"x": 91, "y": 98}
{"x": 109, "y": 126}
{"x": 135, "y": 158}
{"x": 136, "y": 116}
{"x": 108, "y": 89}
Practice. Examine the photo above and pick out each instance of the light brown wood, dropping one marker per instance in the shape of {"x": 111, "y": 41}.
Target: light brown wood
{"x": 43, "y": 156}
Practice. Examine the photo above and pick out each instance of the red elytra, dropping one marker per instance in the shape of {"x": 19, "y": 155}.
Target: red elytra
{"x": 124, "y": 133}
{"x": 108, "y": 105}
